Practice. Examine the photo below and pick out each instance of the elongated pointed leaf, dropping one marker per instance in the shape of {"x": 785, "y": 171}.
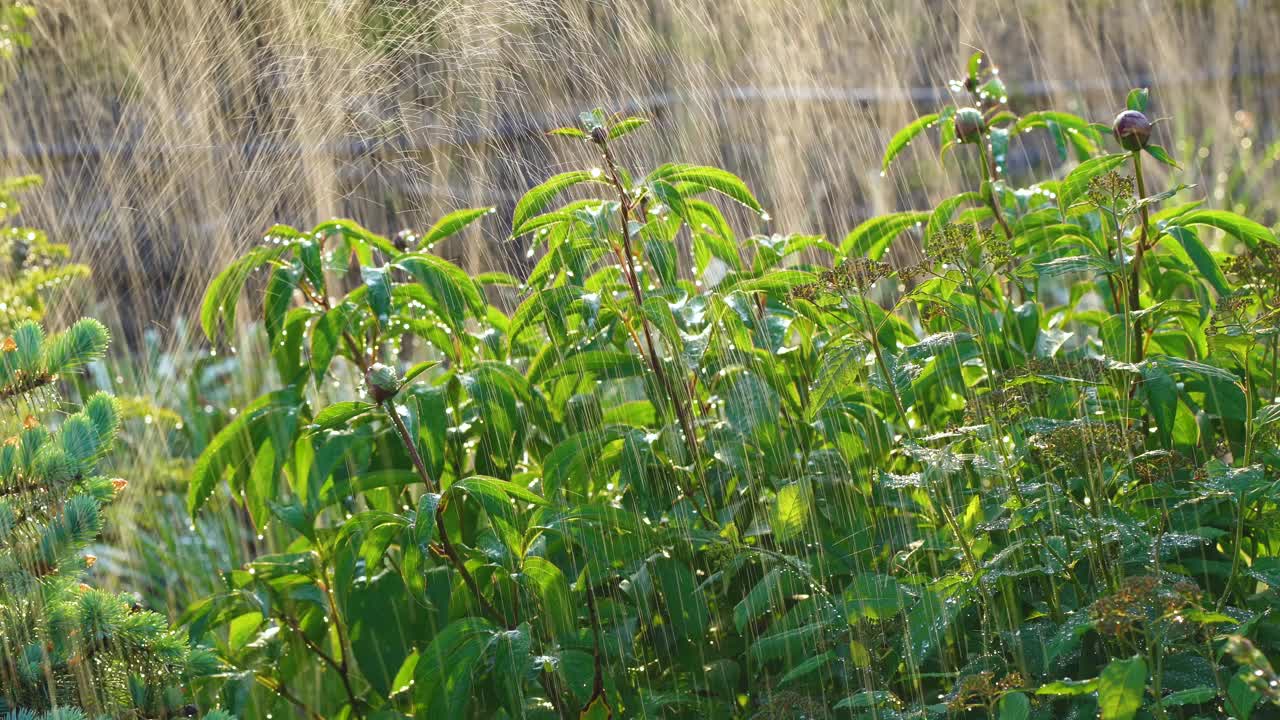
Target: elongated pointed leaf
{"x": 452, "y": 223}
{"x": 872, "y": 238}
{"x": 1251, "y": 233}
{"x": 537, "y": 199}
{"x": 722, "y": 181}
{"x": 904, "y": 137}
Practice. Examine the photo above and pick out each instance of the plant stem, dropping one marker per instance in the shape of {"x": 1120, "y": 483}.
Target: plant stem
{"x": 654, "y": 361}
{"x": 989, "y": 176}
{"x": 1237, "y": 539}
{"x": 450, "y": 551}
{"x": 280, "y": 689}
{"x": 343, "y": 670}
{"x": 409, "y": 445}
{"x": 940, "y": 499}
{"x": 1135, "y": 277}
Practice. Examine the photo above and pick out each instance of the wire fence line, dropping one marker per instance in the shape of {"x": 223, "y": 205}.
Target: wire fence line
{"x": 538, "y": 123}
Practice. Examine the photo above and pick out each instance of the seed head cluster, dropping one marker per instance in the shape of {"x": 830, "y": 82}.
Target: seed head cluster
{"x": 1141, "y": 600}
{"x": 1111, "y": 191}
{"x": 1079, "y": 445}
{"x": 979, "y": 690}
{"x": 854, "y": 276}
{"x": 1089, "y": 370}
{"x": 956, "y": 243}
{"x": 1005, "y": 404}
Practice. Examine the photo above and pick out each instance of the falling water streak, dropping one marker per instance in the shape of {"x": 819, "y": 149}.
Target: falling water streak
{"x": 173, "y": 132}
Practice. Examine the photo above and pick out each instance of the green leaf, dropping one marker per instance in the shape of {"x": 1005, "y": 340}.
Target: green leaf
{"x": 929, "y": 621}
{"x": 339, "y": 414}
{"x": 1201, "y": 257}
{"x": 261, "y": 486}
{"x": 872, "y": 238}
{"x": 450, "y": 665}
{"x": 452, "y": 223}
{"x": 776, "y": 585}
{"x": 451, "y": 287}
{"x": 904, "y": 137}
{"x": 722, "y": 181}
{"x": 572, "y": 132}
{"x": 379, "y": 292}
{"x": 273, "y": 416}
{"x": 552, "y": 589}
{"x": 937, "y": 344}
{"x": 417, "y": 370}
{"x": 404, "y": 677}
{"x": 242, "y": 630}
{"x": 872, "y": 596}
{"x": 605, "y": 364}
{"x": 773, "y": 281}
{"x": 1120, "y": 688}
{"x": 626, "y": 126}
{"x": 1014, "y": 706}
{"x": 866, "y": 699}
{"x": 597, "y": 709}
{"x": 1180, "y": 366}
{"x": 839, "y": 363}
{"x": 790, "y": 511}
{"x": 974, "y": 66}
{"x": 1159, "y": 153}
{"x": 1241, "y": 697}
{"x": 223, "y": 294}
{"x": 807, "y": 667}
{"x": 1069, "y": 688}
{"x": 1192, "y": 696}
{"x": 1137, "y": 99}
{"x": 537, "y": 199}
{"x": 1161, "y": 394}
{"x": 1074, "y": 264}
{"x": 326, "y": 338}
{"x": 279, "y": 296}
{"x": 1250, "y": 232}
{"x": 1065, "y": 128}
{"x": 685, "y": 605}
{"x": 489, "y": 487}
{"x": 424, "y": 520}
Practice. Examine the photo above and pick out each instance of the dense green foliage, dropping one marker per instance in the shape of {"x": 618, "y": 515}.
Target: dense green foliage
{"x": 65, "y": 647}
{"x": 1024, "y": 470}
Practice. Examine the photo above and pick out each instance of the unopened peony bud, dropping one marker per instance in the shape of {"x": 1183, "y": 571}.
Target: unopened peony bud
{"x": 969, "y": 125}
{"x": 1132, "y": 130}
{"x": 383, "y": 381}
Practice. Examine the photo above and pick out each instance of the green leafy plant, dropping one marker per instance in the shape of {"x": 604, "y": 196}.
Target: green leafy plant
{"x": 31, "y": 267}
{"x": 695, "y": 473}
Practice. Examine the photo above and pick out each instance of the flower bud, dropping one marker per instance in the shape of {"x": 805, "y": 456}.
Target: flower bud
{"x": 383, "y": 381}
{"x": 969, "y": 125}
{"x": 599, "y": 135}
{"x": 1132, "y": 130}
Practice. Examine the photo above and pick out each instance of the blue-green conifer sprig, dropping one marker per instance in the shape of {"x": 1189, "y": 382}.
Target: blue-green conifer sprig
{"x": 68, "y": 650}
